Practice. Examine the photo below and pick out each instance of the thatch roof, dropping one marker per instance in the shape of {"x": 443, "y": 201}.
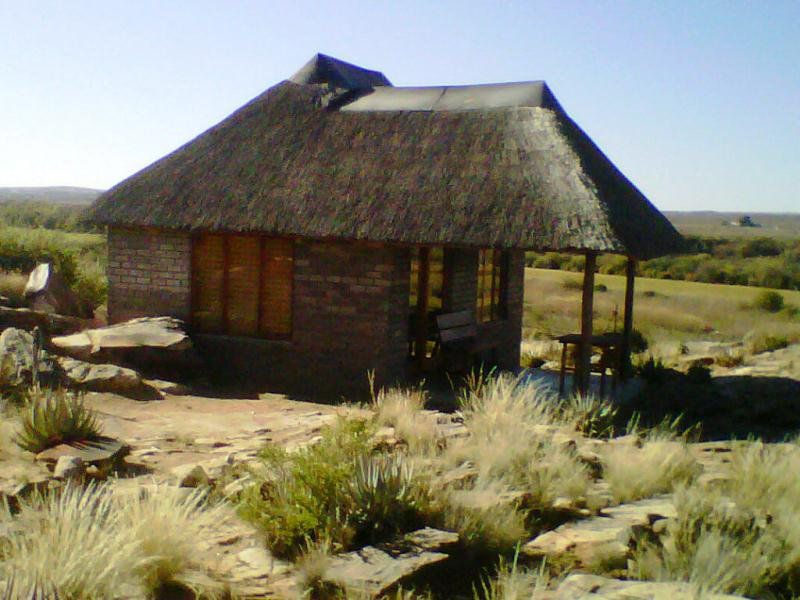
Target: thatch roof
{"x": 500, "y": 166}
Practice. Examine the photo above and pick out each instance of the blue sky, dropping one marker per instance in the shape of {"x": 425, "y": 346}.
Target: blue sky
{"x": 697, "y": 102}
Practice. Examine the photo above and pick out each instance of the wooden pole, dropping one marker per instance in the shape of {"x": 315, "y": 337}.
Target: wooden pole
{"x": 625, "y": 354}
{"x": 423, "y": 271}
{"x": 583, "y": 368}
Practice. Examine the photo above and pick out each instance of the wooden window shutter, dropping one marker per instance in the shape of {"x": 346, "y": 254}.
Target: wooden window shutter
{"x": 275, "y": 310}
{"x": 243, "y": 275}
{"x": 208, "y": 277}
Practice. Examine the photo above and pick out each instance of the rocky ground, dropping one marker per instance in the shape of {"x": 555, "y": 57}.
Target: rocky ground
{"x": 186, "y": 440}
{"x": 169, "y": 437}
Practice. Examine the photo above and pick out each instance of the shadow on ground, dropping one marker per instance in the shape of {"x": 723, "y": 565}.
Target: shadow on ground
{"x": 726, "y": 407}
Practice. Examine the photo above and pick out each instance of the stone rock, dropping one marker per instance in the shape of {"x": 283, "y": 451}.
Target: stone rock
{"x": 603, "y": 539}
{"x": 373, "y": 571}
{"x": 69, "y": 467}
{"x": 461, "y": 477}
{"x": 100, "y": 378}
{"x": 157, "y": 345}
{"x": 582, "y": 586}
{"x": 168, "y": 387}
{"x": 254, "y": 563}
{"x": 18, "y": 358}
{"x": 191, "y": 476}
{"x": 103, "y": 453}
{"x": 27, "y": 319}
{"x": 432, "y": 539}
{"x": 46, "y": 291}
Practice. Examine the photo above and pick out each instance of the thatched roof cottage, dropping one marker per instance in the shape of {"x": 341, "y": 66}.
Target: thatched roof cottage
{"x": 316, "y": 232}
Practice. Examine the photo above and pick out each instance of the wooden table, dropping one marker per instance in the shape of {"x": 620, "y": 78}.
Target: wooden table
{"x": 610, "y": 345}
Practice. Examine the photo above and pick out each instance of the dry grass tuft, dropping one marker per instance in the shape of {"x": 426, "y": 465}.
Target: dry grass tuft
{"x": 742, "y": 537}
{"x": 90, "y": 543}
{"x": 12, "y": 284}
{"x": 657, "y": 467}
{"x": 403, "y": 410}
{"x": 513, "y": 582}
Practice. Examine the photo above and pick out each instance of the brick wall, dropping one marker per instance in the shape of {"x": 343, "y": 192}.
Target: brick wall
{"x": 461, "y": 281}
{"x": 148, "y": 273}
{"x": 498, "y": 342}
{"x": 350, "y": 311}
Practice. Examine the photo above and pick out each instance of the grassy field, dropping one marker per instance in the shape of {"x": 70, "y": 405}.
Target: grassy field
{"x": 79, "y": 257}
{"x": 665, "y": 311}
{"x": 718, "y": 224}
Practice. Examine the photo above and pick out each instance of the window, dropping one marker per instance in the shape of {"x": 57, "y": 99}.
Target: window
{"x": 491, "y": 285}
{"x": 242, "y": 285}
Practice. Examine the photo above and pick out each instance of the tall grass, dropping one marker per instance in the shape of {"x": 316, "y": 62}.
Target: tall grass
{"x": 90, "y": 543}
{"x": 402, "y": 409}
{"x": 657, "y": 467}
{"x": 742, "y": 537}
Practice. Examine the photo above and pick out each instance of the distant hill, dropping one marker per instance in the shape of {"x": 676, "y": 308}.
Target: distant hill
{"x": 725, "y": 224}
{"x": 77, "y": 196}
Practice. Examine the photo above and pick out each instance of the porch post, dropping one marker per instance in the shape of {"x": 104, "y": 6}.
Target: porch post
{"x": 421, "y": 341}
{"x": 625, "y": 354}
{"x": 583, "y": 368}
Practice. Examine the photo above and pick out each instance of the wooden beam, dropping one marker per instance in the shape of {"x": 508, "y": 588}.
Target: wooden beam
{"x": 627, "y": 331}
{"x": 226, "y": 320}
{"x": 423, "y": 271}
{"x": 583, "y": 368}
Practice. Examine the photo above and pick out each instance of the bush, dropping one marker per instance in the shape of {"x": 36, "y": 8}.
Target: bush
{"x": 331, "y": 491}
{"x": 761, "y": 247}
{"x": 759, "y": 343}
{"x": 699, "y": 373}
{"x": 593, "y": 416}
{"x": 94, "y": 543}
{"x": 652, "y": 370}
{"x": 53, "y": 417}
{"x": 770, "y": 301}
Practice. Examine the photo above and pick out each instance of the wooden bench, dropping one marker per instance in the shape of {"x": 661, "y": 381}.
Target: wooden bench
{"x": 456, "y": 333}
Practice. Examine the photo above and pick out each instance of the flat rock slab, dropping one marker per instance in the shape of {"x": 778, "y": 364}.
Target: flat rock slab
{"x": 372, "y": 571}
{"x": 581, "y": 586}
{"x": 157, "y": 345}
{"x": 154, "y": 332}
{"x": 100, "y": 378}
{"x": 95, "y": 452}
{"x": 210, "y": 432}
{"x": 603, "y": 538}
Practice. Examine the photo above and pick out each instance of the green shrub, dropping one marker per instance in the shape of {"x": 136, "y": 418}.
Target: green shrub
{"x": 652, "y": 370}
{"x": 385, "y": 497}
{"x": 335, "y": 490}
{"x": 593, "y": 416}
{"x": 767, "y": 343}
{"x": 53, "y": 417}
{"x": 699, "y": 373}
{"x": 761, "y": 247}
{"x": 770, "y": 301}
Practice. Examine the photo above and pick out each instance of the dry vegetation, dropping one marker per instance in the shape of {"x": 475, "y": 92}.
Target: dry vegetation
{"x": 88, "y": 542}
{"x": 668, "y": 313}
